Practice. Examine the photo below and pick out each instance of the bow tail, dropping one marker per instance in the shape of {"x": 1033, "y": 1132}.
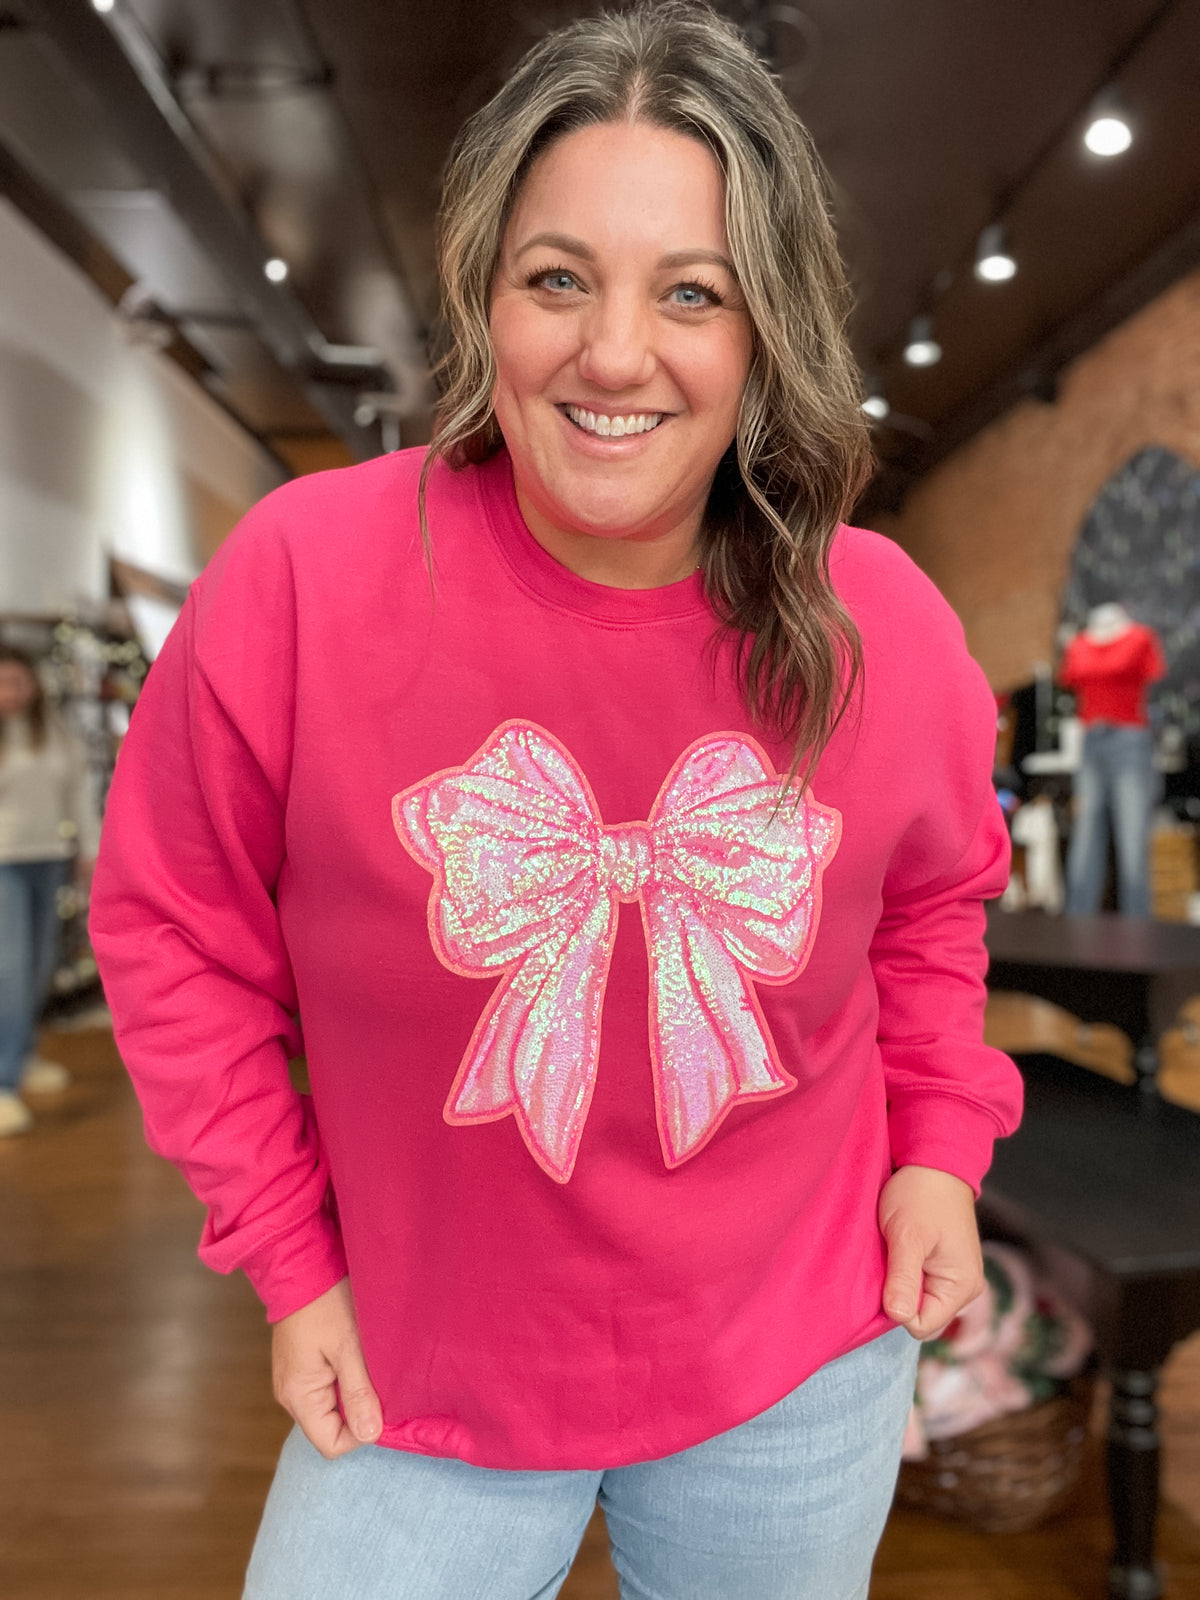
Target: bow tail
{"x": 708, "y": 1040}
{"x": 533, "y": 1054}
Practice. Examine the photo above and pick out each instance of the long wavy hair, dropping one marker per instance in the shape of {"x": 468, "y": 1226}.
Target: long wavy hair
{"x": 801, "y": 455}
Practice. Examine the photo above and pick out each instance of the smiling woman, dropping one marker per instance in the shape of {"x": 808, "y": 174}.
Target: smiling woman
{"x": 619, "y": 373}
{"x": 631, "y": 899}
{"x": 797, "y": 455}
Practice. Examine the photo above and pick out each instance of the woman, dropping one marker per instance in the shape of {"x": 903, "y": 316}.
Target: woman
{"x": 46, "y": 818}
{"x": 696, "y": 784}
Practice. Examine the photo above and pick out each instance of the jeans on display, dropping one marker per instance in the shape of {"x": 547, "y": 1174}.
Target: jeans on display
{"x": 1117, "y": 778}
{"x": 791, "y": 1503}
{"x": 29, "y": 933}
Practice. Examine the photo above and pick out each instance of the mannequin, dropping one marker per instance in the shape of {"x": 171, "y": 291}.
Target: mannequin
{"x": 1109, "y": 666}
{"x": 1107, "y": 622}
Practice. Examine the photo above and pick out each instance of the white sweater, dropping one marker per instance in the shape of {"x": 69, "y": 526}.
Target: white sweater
{"x": 46, "y": 807}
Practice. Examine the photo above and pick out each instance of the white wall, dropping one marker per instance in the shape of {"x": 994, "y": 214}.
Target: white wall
{"x": 102, "y": 445}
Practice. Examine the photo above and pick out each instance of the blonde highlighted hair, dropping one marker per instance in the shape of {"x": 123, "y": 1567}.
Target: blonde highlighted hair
{"x": 801, "y": 454}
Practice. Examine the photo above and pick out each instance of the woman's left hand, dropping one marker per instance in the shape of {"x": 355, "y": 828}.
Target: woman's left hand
{"x": 935, "y": 1265}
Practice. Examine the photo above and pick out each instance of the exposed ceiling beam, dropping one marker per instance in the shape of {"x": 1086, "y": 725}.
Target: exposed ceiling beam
{"x": 62, "y": 226}
{"x": 113, "y": 62}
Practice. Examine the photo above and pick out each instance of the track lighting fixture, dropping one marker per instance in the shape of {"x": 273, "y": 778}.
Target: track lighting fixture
{"x": 994, "y": 262}
{"x": 922, "y": 349}
{"x": 276, "y": 269}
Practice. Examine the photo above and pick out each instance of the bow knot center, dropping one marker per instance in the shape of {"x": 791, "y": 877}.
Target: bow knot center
{"x": 626, "y": 857}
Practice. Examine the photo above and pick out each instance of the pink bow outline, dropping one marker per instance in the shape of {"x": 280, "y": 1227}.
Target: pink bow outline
{"x": 527, "y": 881}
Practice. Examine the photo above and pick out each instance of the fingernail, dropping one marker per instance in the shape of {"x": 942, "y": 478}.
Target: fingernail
{"x": 366, "y": 1431}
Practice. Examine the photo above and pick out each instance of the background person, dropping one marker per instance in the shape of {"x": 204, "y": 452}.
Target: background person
{"x": 648, "y": 1099}
{"x": 47, "y": 818}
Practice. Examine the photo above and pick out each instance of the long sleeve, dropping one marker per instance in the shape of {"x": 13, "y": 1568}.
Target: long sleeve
{"x": 949, "y": 1095}
{"x": 1156, "y": 661}
{"x": 187, "y": 934}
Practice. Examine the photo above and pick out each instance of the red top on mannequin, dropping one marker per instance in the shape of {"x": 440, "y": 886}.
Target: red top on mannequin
{"x": 1110, "y": 665}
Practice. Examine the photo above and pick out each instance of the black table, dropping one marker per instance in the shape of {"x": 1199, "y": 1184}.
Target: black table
{"x": 1103, "y": 1182}
{"x": 1130, "y": 971}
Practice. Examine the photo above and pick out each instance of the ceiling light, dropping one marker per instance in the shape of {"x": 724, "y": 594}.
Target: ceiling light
{"x": 994, "y": 262}
{"x": 276, "y": 269}
{"x": 103, "y": 5}
{"x": 875, "y": 405}
{"x": 922, "y": 349}
{"x": 1108, "y": 132}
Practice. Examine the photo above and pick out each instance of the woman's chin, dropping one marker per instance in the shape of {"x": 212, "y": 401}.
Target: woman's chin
{"x": 611, "y": 516}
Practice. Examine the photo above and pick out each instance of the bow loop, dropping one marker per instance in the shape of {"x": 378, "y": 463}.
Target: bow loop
{"x": 527, "y": 881}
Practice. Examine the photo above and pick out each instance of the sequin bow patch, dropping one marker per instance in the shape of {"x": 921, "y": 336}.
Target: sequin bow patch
{"x": 527, "y": 882}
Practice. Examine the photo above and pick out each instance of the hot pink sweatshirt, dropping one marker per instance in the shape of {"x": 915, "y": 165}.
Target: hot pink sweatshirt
{"x": 610, "y": 1057}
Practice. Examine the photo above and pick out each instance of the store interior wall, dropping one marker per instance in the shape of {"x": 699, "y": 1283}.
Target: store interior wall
{"x": 105, "y": 447}
{"x": 995, "y": 524}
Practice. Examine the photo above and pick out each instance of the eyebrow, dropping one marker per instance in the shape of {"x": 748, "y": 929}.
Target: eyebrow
{"x": 576, "y": 247}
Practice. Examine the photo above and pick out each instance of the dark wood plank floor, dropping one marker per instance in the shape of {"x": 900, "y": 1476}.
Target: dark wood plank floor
{"x": 139, "y": 1433}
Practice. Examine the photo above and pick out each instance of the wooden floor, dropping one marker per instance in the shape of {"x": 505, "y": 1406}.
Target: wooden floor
{"x": 139, "y": 1434}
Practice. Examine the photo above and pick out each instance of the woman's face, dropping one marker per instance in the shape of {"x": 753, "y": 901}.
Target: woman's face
{"x": 622, "y": 342}
{"x": 17, "y": 689}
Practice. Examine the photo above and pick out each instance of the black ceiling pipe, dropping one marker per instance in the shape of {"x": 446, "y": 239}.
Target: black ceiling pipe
{"x": 117, "y": 68}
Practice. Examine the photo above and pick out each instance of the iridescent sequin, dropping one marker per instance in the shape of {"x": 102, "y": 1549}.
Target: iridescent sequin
{"x": 527, "y": 880}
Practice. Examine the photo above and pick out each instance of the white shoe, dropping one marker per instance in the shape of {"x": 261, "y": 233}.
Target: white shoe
{"x": 44, "y": 1077}
{"x": 15, "y": 1115}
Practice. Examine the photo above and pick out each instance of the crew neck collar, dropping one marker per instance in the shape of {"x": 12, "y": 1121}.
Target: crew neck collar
{"x": 535, "y": 569}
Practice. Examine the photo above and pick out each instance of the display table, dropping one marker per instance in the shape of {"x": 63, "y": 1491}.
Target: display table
{"x": 1103, "y": 1182}
{"x": 1129, "y": 971}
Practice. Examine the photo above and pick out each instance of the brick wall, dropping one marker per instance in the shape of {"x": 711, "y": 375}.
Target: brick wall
{"x": 995, "y": 525}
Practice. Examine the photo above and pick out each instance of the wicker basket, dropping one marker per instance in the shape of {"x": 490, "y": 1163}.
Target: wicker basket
{"x": 1009, "y": 1474}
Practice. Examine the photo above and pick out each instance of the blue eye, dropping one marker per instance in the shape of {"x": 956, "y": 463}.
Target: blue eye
{"x": 557, "y": 282}
{"x": 695, "y": 296}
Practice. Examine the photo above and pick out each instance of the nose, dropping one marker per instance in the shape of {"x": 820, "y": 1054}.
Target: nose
{"x": 618, "y": 344}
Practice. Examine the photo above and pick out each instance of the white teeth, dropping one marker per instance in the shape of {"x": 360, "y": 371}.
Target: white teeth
{"x": 614, "y": 427}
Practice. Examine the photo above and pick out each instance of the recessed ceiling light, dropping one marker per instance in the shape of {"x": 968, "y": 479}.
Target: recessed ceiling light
{"x": 922, "y": 349}
{"x": 994, "y": 262}
{"x": 276, "y": 269}
{"x": 1108, "y": 136}
{"x": 103, "y": 5}
{"x": 1108, "y": 132}
{"x": 875, "y": 405}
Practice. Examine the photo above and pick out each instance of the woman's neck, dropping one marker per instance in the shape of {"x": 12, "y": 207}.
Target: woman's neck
{"x": 631, "y": 562}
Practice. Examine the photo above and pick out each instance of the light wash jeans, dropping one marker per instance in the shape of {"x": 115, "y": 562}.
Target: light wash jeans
{"x": 1116, "y": 777}
{"x": 29, "y": 932}
{"x": 790, "y": 1504}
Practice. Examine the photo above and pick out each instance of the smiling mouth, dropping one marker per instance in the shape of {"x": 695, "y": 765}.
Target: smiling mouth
{"x": 619, "y": 427}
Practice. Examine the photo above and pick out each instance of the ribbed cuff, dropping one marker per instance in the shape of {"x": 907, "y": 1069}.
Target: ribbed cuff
{"x": 296, "y": 1267}
{"x": 941, "y": 1131}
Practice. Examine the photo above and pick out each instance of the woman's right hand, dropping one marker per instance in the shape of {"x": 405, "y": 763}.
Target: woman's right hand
{"x": 315, "y": 1358}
